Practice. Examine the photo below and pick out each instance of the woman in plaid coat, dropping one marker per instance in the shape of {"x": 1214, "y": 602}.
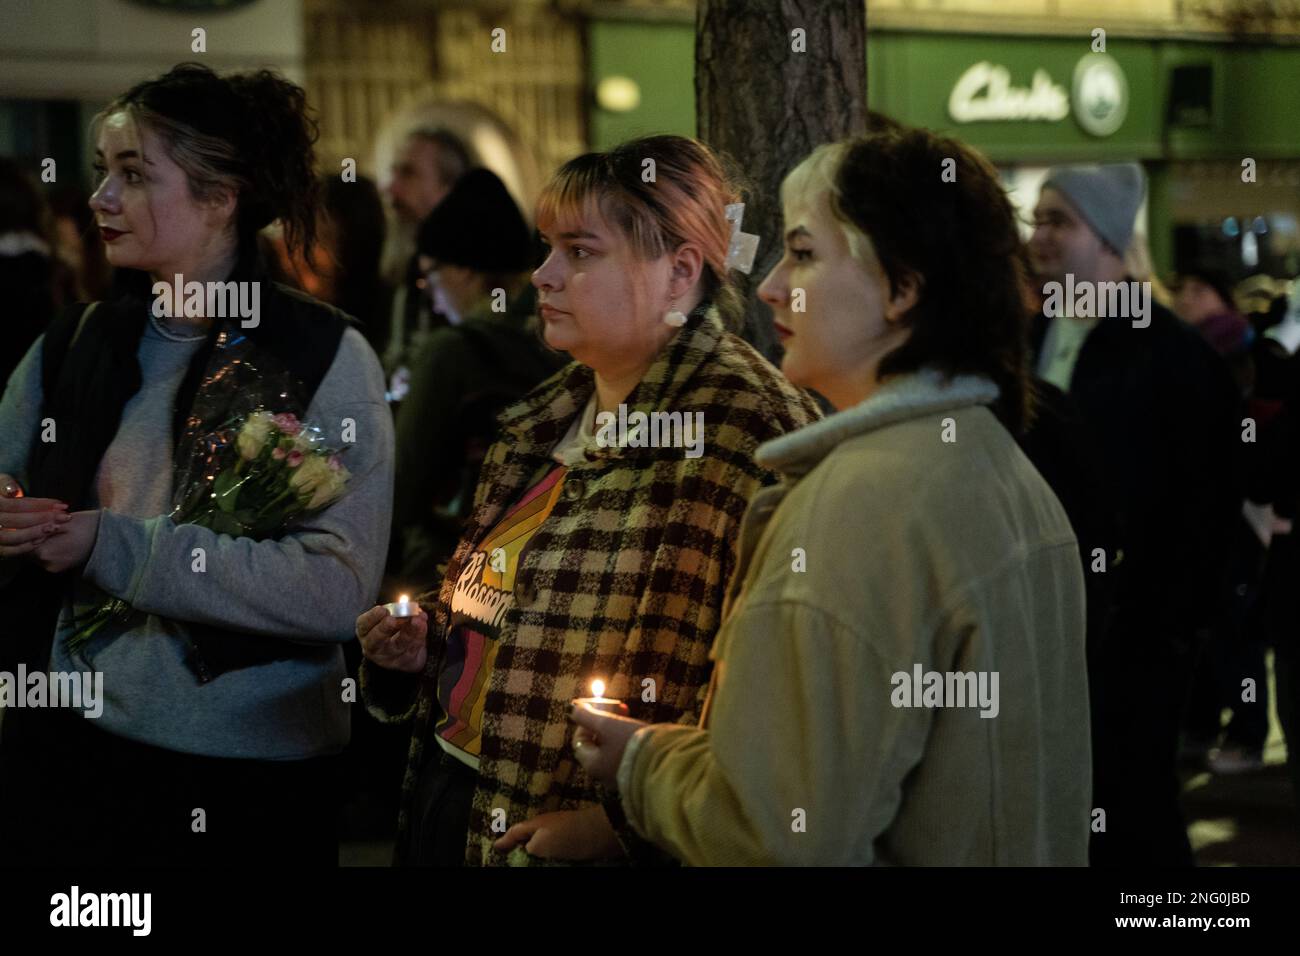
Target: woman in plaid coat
{"x": 604, "y": 527}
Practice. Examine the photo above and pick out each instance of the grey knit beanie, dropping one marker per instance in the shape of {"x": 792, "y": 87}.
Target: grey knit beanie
{"x": 1107, "y": 197}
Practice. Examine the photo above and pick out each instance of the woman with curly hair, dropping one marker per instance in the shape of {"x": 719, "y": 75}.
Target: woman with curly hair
{"x": 220, "y": 708}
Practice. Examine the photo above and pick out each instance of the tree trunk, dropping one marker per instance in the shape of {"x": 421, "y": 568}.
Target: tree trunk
{"x": 767, "y": 106}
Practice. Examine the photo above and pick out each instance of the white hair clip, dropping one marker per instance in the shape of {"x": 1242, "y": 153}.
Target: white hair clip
{"x": 744, "y": 245}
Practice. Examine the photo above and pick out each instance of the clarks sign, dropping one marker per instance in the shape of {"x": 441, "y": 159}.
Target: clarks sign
{"x": 984, "y": 92}
{"x": 1099, "y": 94}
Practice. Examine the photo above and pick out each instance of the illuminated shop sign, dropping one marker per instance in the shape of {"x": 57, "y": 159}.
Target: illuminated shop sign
{"x": 1098, "y": 97}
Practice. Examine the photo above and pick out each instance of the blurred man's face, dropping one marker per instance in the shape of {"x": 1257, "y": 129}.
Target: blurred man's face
{"x": 1196, "y": 301}
{"x": 417, "y": 186}
{"x": 1063, "y": 242}
{"x": 452, "y": 289}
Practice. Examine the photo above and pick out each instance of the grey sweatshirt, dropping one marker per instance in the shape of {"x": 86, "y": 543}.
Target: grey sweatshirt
{"x": 307, "y": 586}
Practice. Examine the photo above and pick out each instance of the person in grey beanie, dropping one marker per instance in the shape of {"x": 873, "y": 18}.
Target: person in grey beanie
{"x": 1165, "y": 416}
{"x": 1107, "y": 197}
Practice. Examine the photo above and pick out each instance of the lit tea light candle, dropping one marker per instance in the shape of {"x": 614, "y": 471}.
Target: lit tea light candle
{"x": 403, "y": 607}
{"x": 599, "y": 701}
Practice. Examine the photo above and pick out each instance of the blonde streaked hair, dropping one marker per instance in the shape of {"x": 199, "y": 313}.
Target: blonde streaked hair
{"x": 959, "y": 242}
{"x": 813, "y": 181}
{"x": 685, "y": 202}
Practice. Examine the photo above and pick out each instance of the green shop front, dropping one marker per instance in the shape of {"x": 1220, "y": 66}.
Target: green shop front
{"x": 1216, "y": 125}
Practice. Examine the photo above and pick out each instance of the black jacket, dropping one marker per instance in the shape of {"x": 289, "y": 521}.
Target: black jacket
{"x": 27, "y": 290}
{"x": 1165, "y": 416}
{"x": 86, "y": 385}
{"x": 1276, "y": 480}
{"x": 1061, "y": 447}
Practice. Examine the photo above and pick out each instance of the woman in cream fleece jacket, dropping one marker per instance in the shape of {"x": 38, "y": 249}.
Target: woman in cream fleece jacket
{"x": 900, "y": 676}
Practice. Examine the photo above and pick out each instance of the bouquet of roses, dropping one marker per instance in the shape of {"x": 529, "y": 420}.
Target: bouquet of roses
{"x": 283, "y": 469}
{"x": 275, "y": 469}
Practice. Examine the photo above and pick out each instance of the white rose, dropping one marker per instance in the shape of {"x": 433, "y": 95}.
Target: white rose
{"x": 331, "y": 489}
{"x": 252, "y": 437}
{"x": 309, "y": 478}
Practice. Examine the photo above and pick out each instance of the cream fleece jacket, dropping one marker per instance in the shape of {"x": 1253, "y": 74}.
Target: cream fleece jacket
{"x": 953, "y": 555}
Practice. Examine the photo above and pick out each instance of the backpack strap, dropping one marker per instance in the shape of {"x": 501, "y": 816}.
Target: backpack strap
{"x": 60, "y": 337}
{"x": 81, "y": 324}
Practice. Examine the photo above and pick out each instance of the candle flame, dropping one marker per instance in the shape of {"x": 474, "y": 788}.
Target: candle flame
{"x": 598, "y": 688}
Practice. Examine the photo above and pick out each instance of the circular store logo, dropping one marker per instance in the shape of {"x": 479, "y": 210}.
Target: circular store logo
{"x": 1100, "y": 94}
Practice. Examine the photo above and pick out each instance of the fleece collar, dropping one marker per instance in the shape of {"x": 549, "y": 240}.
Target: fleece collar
{"x": 899, "y": 399}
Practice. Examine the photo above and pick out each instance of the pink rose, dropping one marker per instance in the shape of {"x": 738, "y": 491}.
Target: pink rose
{"x": 295, "y": 458}
{"x": 278, "y": 453}
{"x": 287, "y": 422}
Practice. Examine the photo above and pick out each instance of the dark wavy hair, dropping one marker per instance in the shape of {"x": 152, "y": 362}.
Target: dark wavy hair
{"x": 958, "y": 238}
{"x": 248, "y": 132}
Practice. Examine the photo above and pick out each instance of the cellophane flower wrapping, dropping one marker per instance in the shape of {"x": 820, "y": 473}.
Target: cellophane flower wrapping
{"x": 251, "y": 476}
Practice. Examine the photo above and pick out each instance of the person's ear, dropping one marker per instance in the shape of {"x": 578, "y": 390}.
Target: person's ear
{"x": 905, "y": 295}
{"x": 222, "y": 204}
{"x": 684, "y": 270}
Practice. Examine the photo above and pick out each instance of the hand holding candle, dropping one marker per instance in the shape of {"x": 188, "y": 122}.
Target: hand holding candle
{"x": 602, "y": 736}
{"x": 396, "y": 643}
{"x": 403, "y": 607}
{"x": 600, "y": 702}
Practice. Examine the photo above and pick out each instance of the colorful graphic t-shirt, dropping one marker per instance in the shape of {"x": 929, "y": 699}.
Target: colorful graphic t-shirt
{"x": 484, "y": 593}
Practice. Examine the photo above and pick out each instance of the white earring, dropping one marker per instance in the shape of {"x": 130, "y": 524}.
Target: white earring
{"x": 675, "y": 317}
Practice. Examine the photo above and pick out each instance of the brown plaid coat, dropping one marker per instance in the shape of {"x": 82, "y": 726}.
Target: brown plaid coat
{"x": 624, "y": 580}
